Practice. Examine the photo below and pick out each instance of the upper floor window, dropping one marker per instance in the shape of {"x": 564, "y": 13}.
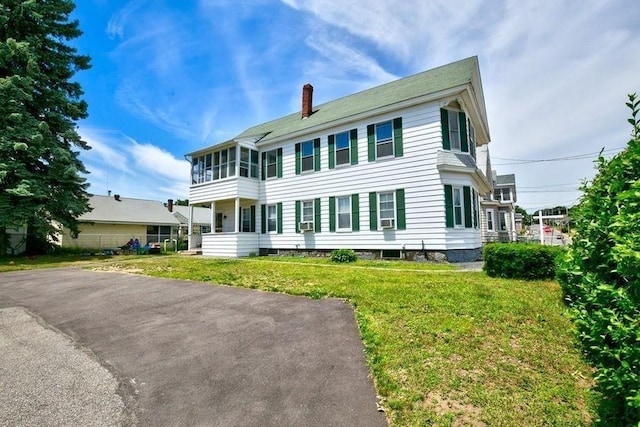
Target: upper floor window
{"x": 457, "y": 132}
{"x": 248, "y": 162}
{"x": 307, "y": 156}
{"x": 272, "y": 162}
{"x": 217, "y": 165}
{"x": 385, "y": 139}
{"x": 343, "y": 148}
{"x": 502, "y": 194}
{"x": 490, "y": 220}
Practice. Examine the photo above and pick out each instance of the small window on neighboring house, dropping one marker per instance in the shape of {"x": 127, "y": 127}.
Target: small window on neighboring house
{"x": 344, "y": 213}
{"x": 503, "y": 221}
{"x": 490, "y": 220}
{"x": 342, "y": 149}
{"x": 502, "y": 194}
{"x": 272, "y": 218}
{"x": 272, "y": 163}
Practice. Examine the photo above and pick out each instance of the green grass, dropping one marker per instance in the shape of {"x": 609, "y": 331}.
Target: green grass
{"x": 18, "y": 263}
{"x": 445, "y": 348}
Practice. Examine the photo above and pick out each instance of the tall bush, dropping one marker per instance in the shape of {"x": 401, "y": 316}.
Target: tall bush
{"x": 600, "y": 277}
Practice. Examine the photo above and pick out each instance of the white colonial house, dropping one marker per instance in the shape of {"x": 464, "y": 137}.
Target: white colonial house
{"x": 389, "y": 172}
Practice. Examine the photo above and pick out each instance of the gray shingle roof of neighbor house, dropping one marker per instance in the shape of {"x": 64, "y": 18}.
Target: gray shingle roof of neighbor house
{"x": 506, "y": 179}
{"x": 450, "y": 76}
{"x": 108, "y": 209}
{"x": 200, "y": 215}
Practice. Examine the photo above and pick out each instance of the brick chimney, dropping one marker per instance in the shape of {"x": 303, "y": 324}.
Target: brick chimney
{"x": 307, "y": 100}
{"x": 170, "y": 205}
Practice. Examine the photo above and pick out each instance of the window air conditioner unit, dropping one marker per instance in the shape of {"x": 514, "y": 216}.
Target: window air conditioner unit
{"x": 387, "y": 223}
{"x": 306, "y": 226}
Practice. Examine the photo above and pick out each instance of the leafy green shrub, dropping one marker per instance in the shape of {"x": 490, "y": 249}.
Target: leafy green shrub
{"x": 343, "y": 255}
{"x": 529, "y": 261}
{"x": 600, "y": 277}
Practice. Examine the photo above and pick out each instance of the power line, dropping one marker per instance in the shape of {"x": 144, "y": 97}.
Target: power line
{"x": 555, "y": 159}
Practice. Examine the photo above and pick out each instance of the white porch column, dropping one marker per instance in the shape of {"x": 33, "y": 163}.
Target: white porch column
{"x": 237, "y": 215}
{"x": 190, "y": 229}
{"x": 541, "y": 227}
{"x": 514, "y": 233}
{"x": 212, "y": 219}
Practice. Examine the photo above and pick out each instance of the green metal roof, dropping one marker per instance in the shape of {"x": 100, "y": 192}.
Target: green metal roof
{"x": 427, "y": 82}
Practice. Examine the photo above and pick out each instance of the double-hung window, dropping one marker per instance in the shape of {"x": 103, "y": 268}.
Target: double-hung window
{"x": 307, "y": 211}
{"x": 344, "y": 213}
{"x": 454, "y": 130}
{"x": 272, "y": 219}
{"x": 272, "y": 163}
{"x": 503, "y": 221}
{"x": 490, "y": 220}
{"x": 458, "y": 207}
{"x": 224, "y": 162}
{"x": 384, "y": 139}
{"x": 307, "y": 155}
{"x": 387, "y": 209}
{"x": 248, "y": 163}
{"x": 342, "y": 149}
{"x": 246, "y": 220}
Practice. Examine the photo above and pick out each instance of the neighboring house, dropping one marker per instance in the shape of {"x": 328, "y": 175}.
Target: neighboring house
{"x": 498, "y": 211}
{"x": 115, "y": 220}
{"x": 388, "y": 172}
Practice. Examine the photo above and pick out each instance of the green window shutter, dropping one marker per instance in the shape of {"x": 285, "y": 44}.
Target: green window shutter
{"x": 263, "y": 219}
{"x": 279, "y": 208}
{"x": 317, "y": 224}
{"x": 264, "y": 165}
{"x": 279, "y": 162}
{"x": 467, "y": 206}
{"x": 401, "y": 219}
{"x": 474, "y": 200}
{"x": 355, "y": 212}
{"x": 316, "y": 154}
{"x": 373, "y": 211}
{"x": 448, "y": 205}
{"x": 444, "y": 124}
{"x": 298, "y": 159}
{"x": 464, "y": 144}
{"x": 332, "y": 214}
{"x": 332, "y": 151}
{"x": 371, "y": 140}
{"x": 398, "y": 150}
{"x": 353, "y": 136}
{"x": 253, "y": 218}
{"x": 297, "y": 216}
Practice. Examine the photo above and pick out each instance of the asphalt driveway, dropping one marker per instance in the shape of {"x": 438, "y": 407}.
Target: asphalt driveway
{"x": 183, "y": 353}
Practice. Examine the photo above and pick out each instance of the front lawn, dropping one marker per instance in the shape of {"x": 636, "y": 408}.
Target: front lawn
{"x": 445, "y": 348}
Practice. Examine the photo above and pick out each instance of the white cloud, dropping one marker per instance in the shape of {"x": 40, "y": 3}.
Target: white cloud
{"x": 121, "y": 164}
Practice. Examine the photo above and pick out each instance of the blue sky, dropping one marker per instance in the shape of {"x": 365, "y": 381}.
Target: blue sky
{"x": 169, "y": 77}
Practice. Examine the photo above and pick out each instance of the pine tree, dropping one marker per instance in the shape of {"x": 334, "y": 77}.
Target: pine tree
{"x": 40, "y": 173}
